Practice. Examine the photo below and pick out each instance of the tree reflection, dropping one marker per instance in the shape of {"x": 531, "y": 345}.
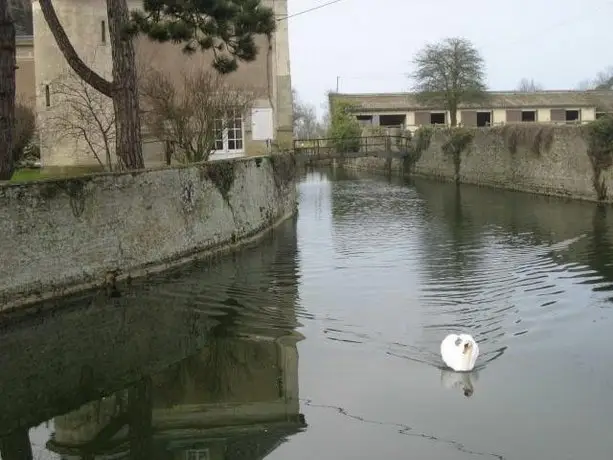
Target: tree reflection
{"x": 179, "y": 360}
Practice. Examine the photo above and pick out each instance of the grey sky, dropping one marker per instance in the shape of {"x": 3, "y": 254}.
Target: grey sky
{"x": 370, "y": 45}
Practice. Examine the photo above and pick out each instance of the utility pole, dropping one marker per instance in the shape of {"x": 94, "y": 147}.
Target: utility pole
{"x": 337, "y": 83}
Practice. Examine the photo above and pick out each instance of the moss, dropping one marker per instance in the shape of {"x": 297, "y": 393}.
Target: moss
{"x": 221, "y": 173}
{"x": 419, "y": 144}
{"x": 284, "y": 169}
{"x": 537, "y": 137}
{"x": 599, "y": 136}
{"x": 459, "y": 139}
{"x": 74, "y": 188}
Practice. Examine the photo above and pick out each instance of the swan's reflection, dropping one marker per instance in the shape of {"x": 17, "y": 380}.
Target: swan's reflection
{"x": 463, "y": 380}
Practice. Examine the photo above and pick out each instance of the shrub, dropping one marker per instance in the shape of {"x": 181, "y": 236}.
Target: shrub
{"x": 345, "y": 130}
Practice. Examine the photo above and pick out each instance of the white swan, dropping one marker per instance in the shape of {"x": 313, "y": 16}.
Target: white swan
{"x": 459, "y": 352}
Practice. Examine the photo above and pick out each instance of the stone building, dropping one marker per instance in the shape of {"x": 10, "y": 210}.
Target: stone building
{"x": 24, "y": 75}
{"x": 403, "y": 110}
{"x": 266, "y": 124}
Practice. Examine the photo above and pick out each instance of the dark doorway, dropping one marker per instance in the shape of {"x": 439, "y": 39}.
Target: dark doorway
{"x": 392, "y": 120}
{"x": 572, "y": 115}
{"x": 484, "y": 118}
{"x": 528, "y": 115}
{"x": 437, "y": 118}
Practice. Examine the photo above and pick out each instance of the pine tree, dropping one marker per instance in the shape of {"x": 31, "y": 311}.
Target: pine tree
{"x": 225, "y": 27}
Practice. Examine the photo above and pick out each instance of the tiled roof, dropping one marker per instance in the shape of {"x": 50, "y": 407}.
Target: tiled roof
{"x": 602, "y": 100}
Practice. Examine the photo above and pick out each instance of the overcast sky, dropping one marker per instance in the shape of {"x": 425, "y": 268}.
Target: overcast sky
{"x": 369, "y": 45}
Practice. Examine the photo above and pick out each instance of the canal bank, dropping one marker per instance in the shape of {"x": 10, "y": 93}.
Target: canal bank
{"x": 547, "y": 160}
{"x": 66, "y": 235}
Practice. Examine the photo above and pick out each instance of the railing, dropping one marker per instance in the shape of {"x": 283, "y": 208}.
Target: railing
{"x": 351, "y": 146}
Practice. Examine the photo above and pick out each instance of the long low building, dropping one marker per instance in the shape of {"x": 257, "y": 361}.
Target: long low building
{"x": 499, "y": 107}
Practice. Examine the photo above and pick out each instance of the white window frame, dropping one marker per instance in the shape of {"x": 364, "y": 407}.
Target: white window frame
{"x": 225, "y": 150}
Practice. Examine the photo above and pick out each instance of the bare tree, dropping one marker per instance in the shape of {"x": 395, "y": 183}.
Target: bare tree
{"x": 122, "y": 89}
{"x": 82, "y": 114}
{"x": 228, "y": 29}
{"x": 306, "y": 125}
{"x": 529, "y": 86}
{"x": 602, "y": 81}
{"x": 448, "y": 74}
{"x": 190, "y": 115}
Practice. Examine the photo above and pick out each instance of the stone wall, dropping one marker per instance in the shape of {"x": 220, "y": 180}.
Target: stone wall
{"x": 63, "y": 235}
{"x": 560, "y": 167}
{"x": 95, "y": 345}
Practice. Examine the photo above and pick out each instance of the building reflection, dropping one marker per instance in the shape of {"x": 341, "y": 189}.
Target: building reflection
{"x": 200, "y": 363}
{"x": 237, "y": 398}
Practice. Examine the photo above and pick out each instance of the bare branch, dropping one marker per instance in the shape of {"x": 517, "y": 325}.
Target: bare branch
{"x": 190, "y": 114}
{"x": 305, "y": 123}
{"x": 82, "y": 114}
{"x": 529, "y": 86}
{"x": 71, "y": 55}
{"x": 448, "y": 74}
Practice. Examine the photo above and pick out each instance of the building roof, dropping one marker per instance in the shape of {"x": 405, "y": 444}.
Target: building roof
{"x": 601, "y": 99}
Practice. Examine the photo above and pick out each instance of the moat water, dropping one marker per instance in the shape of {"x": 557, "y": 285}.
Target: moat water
{"x": 323, "y": 340}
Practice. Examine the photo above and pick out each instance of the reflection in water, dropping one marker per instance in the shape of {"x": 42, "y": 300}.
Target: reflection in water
{"x": 462, "y": 380}
{"x": 201, "y": 360}
{"x": 391, "y": 266}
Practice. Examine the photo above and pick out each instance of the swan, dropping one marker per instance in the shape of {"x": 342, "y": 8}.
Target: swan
{"x": 459, "y": 352}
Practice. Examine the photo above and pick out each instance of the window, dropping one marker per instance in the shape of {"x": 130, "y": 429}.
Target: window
{"x": 437, "y": 118}
{"x": 392, "y": 120}
{"x": 484, "y": 118}
{"x": 572, "y": 115}
{"x": 528, "y": 115}
{"x": 47, "y": 96}
{"x": 103, "y": 31}
{"x": 235, "y": 132}
{"x": 364, "y": 119}
{"x": 229, "y": 133}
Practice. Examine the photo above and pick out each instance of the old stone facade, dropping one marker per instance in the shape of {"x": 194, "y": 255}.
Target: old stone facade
{"x": 268, "y": 124}
{"x": 24, "y": 75}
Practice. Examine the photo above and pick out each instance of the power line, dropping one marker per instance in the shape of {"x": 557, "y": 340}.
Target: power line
{"x": 309, "y": 10}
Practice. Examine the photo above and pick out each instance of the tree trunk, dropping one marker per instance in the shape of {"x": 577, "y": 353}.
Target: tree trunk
{"x": 7, "y": 90}
{"x": 122, "y": 90}
{"x": 70, "y": 54}
{"x": 453, "y": 114}
{"x": 125, "y": 93}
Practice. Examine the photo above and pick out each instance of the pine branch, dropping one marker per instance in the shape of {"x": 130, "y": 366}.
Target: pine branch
{"x": 227, "y": 28}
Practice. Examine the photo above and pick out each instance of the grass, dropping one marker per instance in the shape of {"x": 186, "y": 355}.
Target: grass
{"x": 31, "y": 174}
